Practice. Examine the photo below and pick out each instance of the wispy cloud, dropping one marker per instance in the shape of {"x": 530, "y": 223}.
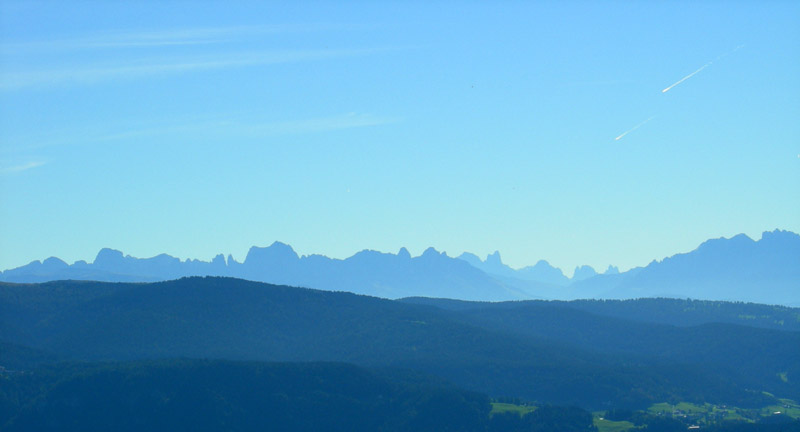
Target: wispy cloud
{"x": 194, "y": 36}
{"x": 158, "y": 38}
{"x": 20, "y": 168}
{"x": 237, "y": 128}
{"x": 222, "y": 127}
{"x": 93, "y": 74}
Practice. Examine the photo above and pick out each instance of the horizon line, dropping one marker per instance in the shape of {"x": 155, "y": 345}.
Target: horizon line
{"x": 227, "y": 258}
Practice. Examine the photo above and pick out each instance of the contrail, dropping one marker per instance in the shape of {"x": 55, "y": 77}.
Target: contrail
{"x": 701, "y": 68}
{"x": 634, "y": 128}
{"x": 729, "y": 52}
{"x": 686, "y": 77}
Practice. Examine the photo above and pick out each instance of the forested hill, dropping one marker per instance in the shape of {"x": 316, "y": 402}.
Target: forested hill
{"x": 677, "y": 312}
{"x": 214, "y": 395}
{"x": 540, "y": 351}
{"x": 687, "y": 312}
{"x": 203, "y": 395}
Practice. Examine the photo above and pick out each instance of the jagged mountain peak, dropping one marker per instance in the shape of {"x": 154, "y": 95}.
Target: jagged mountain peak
{"x": 471, "y": 258}
{"x": 432, "y": 252}
{"x": 739, "y": 240}
{"x": 782, "y": 237}
{"x": 219, "y": 259}
{"x": 108, "y": 257}
{"x": 612, "y": 269}
{"x": 736, "y": 268}
{"x": 583, "y": 272}
{"x": 494, "y": 259}
{"x": 54, "y": 263}
{"x": 277, "y": 251}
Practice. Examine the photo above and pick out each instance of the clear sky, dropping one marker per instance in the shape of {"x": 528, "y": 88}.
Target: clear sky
{"x": 197, "y": 128}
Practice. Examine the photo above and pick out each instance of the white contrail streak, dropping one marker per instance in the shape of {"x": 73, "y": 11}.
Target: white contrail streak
{"x": 686, "y": 77}
{"x": 729, "y": 52}
{"x": 701, "y": 68}
{"x": 633, "y": 128}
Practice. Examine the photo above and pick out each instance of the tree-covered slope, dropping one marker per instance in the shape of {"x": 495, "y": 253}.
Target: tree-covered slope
{"x": 202, "y": 395}
{"x": 677, "y": 312}
{"x": 561, "y": 356}
{"x": 687, "y": 312}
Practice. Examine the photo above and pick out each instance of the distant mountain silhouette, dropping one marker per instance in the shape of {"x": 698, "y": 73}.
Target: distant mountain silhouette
{"x": 583, "y": 272}
{"x": 367, "y": 272}
{"x": 611, "y": 270}
{"x": 542, "y": 272}
{"x": 739, "y": 268}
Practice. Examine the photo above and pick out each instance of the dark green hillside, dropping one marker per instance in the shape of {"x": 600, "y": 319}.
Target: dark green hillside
{"x": 16, "y": 357}
{"x": 224, "y": 396}
{"x": 544, "y": 419}
{"x": 677, "y": 312}
{"x": 757, "y": 358}
{"x": 538, "y": 351}
{"x": 236, "y": 319}
{"x": 685, "y": 312}
{"x": 23, "y": 307}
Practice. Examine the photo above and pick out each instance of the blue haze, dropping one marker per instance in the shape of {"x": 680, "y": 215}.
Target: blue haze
{"x": 736, "y": 269}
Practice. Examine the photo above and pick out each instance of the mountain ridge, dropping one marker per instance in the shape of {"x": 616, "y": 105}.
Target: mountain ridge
{"x": 736, "y": 268}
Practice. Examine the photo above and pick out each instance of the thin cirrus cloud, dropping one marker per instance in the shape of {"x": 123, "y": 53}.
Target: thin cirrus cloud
{"x": 159, "y": 38}
{"x": 196, "y": 129}
{"x": 192, "y": 36}
{"x": 195, "y": 36}
{"x": 229, "y": 128}
{"x": 85, "y": 75}
{"x": 20, "y": 168}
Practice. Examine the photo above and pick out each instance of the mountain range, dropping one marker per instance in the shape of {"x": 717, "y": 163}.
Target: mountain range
{"x": 737, "y": 269}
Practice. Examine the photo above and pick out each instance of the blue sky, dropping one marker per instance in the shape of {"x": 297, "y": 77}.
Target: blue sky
{"x": 196, "y": 128}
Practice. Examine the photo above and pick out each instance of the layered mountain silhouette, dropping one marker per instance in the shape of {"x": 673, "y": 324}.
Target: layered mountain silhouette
{"x": 542, "y": 272}
{"x": 367, "y": 272}
{"x": 739, "y": 268}
{"x": 735, "y": 269}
